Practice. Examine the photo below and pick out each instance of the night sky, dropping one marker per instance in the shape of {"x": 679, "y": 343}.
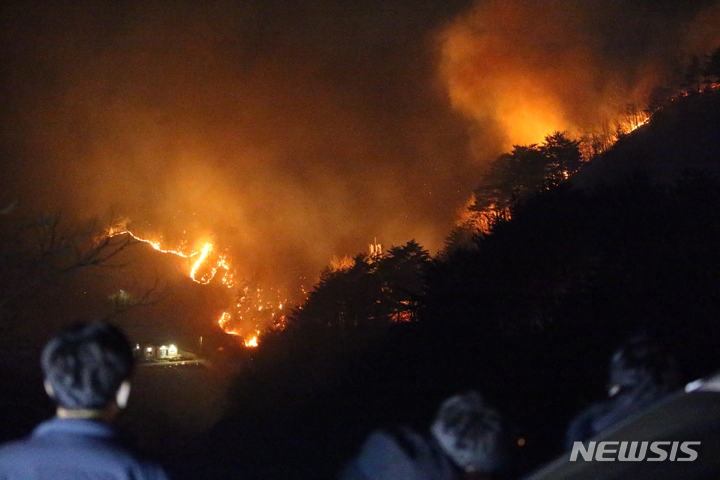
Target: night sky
{"x": 290, "y": 132}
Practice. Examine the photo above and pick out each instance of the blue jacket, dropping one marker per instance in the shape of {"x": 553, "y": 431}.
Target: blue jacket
{"x": 65, "y": 449}
{"x": 399, "y": 454}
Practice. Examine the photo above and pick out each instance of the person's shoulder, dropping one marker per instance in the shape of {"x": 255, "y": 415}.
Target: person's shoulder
{"x": 9, "y": 449}
{"x": 15, "y": 448}
{"x": 148, "y": 470}
{"x": 582, "y": 426}
{"x": 398, "y": 453}
{"x": 119, "y": 456}
{"x": 73, "y": 449}
{"x": 15, "y": 456}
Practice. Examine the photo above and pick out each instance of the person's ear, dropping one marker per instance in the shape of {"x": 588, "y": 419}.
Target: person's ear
{"x": 123, "y": 394}
{"x": 48, "y": 389}
{"x": 614, "y": 390}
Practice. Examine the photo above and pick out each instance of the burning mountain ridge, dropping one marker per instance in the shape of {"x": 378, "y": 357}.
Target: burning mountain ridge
{"x": 282, "y": 134}
{"x": 205, "y": 264}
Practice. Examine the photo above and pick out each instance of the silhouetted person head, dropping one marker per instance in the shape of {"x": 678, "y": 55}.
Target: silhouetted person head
{"x": 471, "y": 433}
{"x": 641, "y": 362}
{"x": 642, "y": 372}
{"x": 87, "y": 370}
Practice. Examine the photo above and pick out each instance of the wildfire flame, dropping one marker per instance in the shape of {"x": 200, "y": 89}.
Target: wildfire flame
{"x": 223, "y": 322}
{"x": 203, "y": 257}
{"x": 204, "y": 268}
{"x": 250, "y": 303}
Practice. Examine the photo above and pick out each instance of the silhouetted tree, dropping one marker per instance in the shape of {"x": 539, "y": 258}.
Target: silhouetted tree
{"x": 402, "y": 277}
{"x": 615, "y": 247}
{"x": 341, "y": 298}
{"x": 39, "y": 251}
{"x": 517, "y": 176}
{"x": 379, "y": 290}
{"x": 712, "y": 68}
{"x": 563, "y": 158}
{"x": 660, "y": 96}
{"x": 511, "y": 178}
{"x": 693, "y": 75}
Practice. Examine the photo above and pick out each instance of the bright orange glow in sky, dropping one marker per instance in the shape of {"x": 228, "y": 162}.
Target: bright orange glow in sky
{"x": 292, "y": 132}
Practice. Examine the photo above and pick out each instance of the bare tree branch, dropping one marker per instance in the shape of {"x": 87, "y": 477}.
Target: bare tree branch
{"x": 40, "y": 250}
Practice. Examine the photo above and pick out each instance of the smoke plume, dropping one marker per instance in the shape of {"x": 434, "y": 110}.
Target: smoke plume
{"x": 530, "y": 68}
{"x": 290, "y": 132}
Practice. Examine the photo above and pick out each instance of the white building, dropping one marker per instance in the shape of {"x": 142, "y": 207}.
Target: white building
{"x": 151, "y": 351}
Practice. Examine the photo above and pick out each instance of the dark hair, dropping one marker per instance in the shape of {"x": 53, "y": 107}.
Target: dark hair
{"x": 643, "y": 360}
{"x": 471, "y": 433}
{"x": 86, "y": 364}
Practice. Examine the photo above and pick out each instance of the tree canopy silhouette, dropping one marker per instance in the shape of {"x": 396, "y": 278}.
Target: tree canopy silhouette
{"x": 527, "y": 170}
{"x": 377, "y": 289}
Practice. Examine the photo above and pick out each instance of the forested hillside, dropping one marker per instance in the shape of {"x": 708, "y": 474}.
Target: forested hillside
{"x": 526, "y": 311}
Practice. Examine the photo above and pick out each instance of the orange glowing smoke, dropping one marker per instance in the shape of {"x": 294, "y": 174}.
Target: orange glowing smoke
{"x": 492, "y": 74}
{"x": 527, "y": 69}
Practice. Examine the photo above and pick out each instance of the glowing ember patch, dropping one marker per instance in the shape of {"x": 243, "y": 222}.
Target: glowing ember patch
{"x": 252, "y": 342}
{"x": 224, "y": 320}
{"x": 254, "y": 306}
{"x": 635, "y": 125}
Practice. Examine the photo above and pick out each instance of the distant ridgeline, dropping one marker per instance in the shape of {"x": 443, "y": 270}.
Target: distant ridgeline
{"x": 678, "y": 134}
